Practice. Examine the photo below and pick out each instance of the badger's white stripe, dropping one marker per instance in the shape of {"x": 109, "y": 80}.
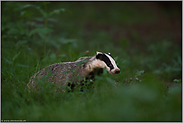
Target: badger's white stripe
{"x": 112, "y": 61}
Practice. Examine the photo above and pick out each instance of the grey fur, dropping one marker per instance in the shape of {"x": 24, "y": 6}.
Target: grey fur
{"x": 70, "y": 73}
{"x": 61, "y": 73}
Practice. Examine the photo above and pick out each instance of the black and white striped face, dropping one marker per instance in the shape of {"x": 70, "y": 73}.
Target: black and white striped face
{"x": 108, "y": 62}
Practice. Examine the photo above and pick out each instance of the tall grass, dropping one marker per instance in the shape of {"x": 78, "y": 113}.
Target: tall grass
{"x": 37, "y": 34}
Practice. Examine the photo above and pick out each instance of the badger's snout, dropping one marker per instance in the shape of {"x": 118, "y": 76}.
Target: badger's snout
{"x": 117, "y": 71}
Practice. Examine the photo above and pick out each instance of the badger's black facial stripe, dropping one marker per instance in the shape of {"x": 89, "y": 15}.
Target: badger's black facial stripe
{"x": 104, "y": 58}
{"x": 109, "y": 54}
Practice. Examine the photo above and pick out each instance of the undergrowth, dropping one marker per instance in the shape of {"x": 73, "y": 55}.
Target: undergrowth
{"x": 38, "y": 34}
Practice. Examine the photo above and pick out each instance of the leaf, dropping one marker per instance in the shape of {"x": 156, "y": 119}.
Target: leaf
{"x": 41, "y": 31}
{"x": 54, "y": 43}
{"x": 104, "y": 71}
{"x": 8, "y": 61}
{"x": 27, "y": 6}
{"x": 16, "y": 56}
{"x": 177, "y": 80}
{"x": 53, "y": 56}
{"x": 110, "y": 80}
{"x": 39, "y": 19}
{"x": 19, "y": 43}
{"x": 56, "y": 11}
{"x": 38, "y": 8}
{"x": 139, "y": 73}
{"x": 47, "y": 84}
{"x": 66, "y": 41}
{"x": 42, "y": 12}
{"x": 22, "y": 13}
{"x": 52, "y": 20}
{"x": 62, "y": 55}
{"x": 21, "y": 65}
{"x": 158, "y": 72}
{"x": 13, "y": 31}
{"x": 179, "y": 59}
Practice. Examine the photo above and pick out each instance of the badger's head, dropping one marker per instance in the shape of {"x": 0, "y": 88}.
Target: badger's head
{"x": 105, "y": 60}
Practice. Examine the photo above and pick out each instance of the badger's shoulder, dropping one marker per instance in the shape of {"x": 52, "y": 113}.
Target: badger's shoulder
{"x": 84, "y": 59}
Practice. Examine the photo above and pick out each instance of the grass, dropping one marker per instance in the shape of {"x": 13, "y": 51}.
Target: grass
{"x": 38, "y": 34}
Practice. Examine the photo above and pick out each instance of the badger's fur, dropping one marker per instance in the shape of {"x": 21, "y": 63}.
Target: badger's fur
{"x": 70, "y": 73}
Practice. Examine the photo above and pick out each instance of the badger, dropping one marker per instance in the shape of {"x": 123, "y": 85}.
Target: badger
{"x": 72, "y": 73}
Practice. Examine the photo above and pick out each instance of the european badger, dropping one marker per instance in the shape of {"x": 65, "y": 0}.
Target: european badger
{"x": 70, "y": 73}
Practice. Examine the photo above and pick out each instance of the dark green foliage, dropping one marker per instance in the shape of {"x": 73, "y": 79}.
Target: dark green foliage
{"x": 145, "y": 47}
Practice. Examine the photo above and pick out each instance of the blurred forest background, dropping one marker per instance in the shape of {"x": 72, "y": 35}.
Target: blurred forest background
{"x": 145, "y": 38}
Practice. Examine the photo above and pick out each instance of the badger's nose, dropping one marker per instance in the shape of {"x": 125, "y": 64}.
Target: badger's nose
{"x": 117, "y": 71}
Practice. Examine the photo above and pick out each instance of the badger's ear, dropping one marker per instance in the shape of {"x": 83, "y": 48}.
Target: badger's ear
{"x": 99, "y": 55}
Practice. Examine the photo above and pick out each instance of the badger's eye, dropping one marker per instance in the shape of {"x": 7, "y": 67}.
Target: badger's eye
{"x": 109, "y": 53}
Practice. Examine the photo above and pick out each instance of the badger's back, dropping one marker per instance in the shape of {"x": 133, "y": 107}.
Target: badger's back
{"x": 61, "y": 73}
